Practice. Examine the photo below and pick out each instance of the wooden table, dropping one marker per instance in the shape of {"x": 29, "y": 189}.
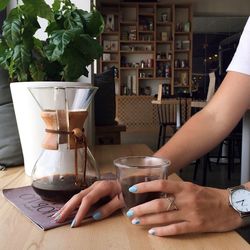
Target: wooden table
{"x": 115, "y": 232}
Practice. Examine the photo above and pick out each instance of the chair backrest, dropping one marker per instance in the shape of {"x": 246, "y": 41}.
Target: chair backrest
{"x": 211, "y": 86}
{"x": 173, "y": 111}
{"x": 167, "y": 112}
{"x": 185, "y": 110}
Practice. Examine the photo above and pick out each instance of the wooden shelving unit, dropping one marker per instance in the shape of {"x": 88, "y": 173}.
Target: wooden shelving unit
{"x": 150, "y": 43}
{"x": 183, "y": 47}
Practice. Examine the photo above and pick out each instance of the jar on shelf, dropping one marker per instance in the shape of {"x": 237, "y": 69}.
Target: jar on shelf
{"x": 167, "y": 70}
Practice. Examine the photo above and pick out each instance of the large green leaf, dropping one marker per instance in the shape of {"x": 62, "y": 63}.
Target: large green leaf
{"x": 36, "y": 72}
{"x": 75, "y": 64}
{"x": 31, "y": 25}
{"x": 21, "y": 57}
{"x": 3, "y": 4}
{"x": 12, "y": 31}
{"x": 38, "y": 47}
{"x": 72, "y": 20}
{"x": 58, "y": 42}
{"x": 29, "y": 29}
{"x": 89, "y": 46}
{"x": 52, "y": 27}
{"x": 56, "y": 5}
{"x": 5, "y": 55}
{"x": 52, "y": 52}
{"x": 94, "y": 22}
{"x": 38, "y": 8}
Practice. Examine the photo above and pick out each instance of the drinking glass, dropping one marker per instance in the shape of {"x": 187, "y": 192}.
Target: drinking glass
{"x": 131, "y": 170}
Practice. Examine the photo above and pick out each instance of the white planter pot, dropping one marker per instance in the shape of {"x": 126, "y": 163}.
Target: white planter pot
{"x": 30, "y": 125}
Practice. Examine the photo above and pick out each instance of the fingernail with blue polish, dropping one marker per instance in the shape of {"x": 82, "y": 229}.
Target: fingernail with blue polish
{"x": 73, "y": 223}
{"x": 55, "y": 214}
{"x": 151, "y": 231}
{"x": 97, "y": 215}
{"x": 130, "y": 213}
{"x": 132, "y": 189}
{"x": 57, "y": 217}
{"x": 135, "y": 221}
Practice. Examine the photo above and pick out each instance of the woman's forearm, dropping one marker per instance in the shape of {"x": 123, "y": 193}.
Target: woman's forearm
{"x": 191, "y": 142}
{"x": 205, "y": 130}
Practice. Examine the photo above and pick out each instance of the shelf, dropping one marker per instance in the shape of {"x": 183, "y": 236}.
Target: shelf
{"x": 110, "y": 51}
{"x": 182, "y": 33}
{"x": 147, "y": 14}
{"x": 164, "y": 23}
{"x": 181, "y": 69}
{"x": 137, "y": 41}
{"x": 146, "y": 31}
{"x": 108, "y": 33}
{"x": 136, "y": 68}
{"x": 182, "y": 51}
{"x": 129, "y": 68}
{"x": 146, "y": 23}
{"x": 110, "y": 13}
{"x": 146, "y": 68}
{"x": 145, "y": 78}
{"x": 181, "y": 86}
{"x": 164, "y": 42}
{"x": 128, "y": 23}
{"x": 164, "y": 60}
{"x": 137, "y": 52}
{"x": 111, "y": 61}
{"x": 163, "y": 78}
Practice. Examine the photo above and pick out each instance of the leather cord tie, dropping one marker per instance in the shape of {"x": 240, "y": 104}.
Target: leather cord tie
{"x": 80, "y": 141}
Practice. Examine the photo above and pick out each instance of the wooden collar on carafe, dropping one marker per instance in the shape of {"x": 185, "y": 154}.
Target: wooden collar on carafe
{"x": 59, "y": 127}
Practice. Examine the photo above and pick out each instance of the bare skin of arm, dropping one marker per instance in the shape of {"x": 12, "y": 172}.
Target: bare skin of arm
{"x": 211, "y": 125}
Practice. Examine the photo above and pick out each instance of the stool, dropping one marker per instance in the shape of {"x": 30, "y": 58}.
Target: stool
{"x": 110, "y": 134}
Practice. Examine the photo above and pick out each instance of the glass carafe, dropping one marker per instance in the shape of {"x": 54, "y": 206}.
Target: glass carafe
{"x": 66, "y": 164}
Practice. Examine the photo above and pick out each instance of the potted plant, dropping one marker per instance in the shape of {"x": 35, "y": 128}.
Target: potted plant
{"x": 59, "y": 59}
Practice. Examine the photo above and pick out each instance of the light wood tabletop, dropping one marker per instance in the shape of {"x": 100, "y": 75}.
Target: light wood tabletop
{"x": 113, "y": 233}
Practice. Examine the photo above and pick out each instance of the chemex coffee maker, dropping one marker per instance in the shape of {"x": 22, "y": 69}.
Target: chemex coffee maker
{"x": 66, "y": 164}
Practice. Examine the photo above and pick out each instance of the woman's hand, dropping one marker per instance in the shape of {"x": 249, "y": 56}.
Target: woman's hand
{"x": 87, "y": 198}
{"x": 189, "y": 208}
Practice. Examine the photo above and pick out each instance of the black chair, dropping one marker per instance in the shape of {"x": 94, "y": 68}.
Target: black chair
{"x": 172, "y": 113}
{"x": 233, "y": 143}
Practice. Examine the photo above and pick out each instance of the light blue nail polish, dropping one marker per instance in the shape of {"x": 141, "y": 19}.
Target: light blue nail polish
{"x": 151, "y": 231}
{"x": 132, "y": 189}
{"x": 130, "y": 213}
{"x": 73, "y": 223}
{"x": 135, "y": 221}
{"x": 57, "y": 217}
{"x": 97, "y": 215}
{"x": 55, "y": 214}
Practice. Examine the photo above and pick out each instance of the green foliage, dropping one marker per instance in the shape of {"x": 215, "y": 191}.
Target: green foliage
{"x": 3, "y": 4}
{"x": 70, "y": 47}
